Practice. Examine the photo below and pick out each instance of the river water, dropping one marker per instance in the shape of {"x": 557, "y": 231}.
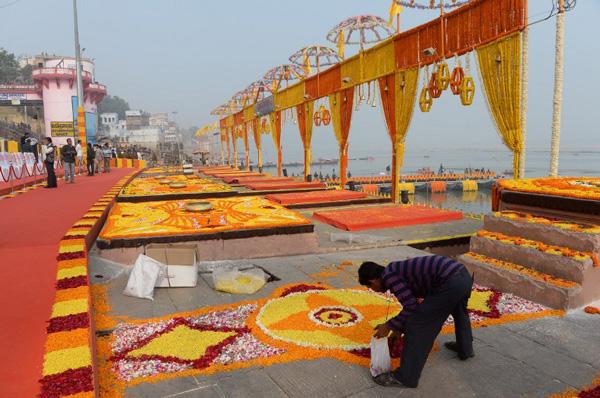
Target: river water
{"x": 573, "y": 163}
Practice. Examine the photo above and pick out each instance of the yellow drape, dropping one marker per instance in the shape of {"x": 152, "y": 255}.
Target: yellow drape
{"x": 291, "y": 96}
{"x": 275, "y": 121}
{"x": 249, "y": 113}
{"x": 305, "y": 126}
{"x": 406, "y": 95}
{"x": 500, "y": 71}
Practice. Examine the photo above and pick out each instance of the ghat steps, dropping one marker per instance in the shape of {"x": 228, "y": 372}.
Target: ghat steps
{"x": 549, "y": 262}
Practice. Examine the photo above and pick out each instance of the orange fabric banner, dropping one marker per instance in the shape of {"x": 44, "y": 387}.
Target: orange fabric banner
{"x": 467, "y": 27}
{"x": 324, "y": 83}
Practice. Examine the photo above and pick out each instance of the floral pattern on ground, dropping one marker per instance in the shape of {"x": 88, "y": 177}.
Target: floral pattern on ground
{"x": 164, "y": 218}
{"x": 151, "y": 186}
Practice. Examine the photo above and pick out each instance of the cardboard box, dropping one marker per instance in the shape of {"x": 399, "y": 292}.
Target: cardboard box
{"x": 180, "y": 258}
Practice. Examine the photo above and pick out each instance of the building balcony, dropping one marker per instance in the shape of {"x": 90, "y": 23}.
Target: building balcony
{"x": 59, "y": 73}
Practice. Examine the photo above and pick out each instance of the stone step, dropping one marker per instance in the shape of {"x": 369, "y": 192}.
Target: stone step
{"x": 580, "y": 236}
{"x": 529, "y": 254}
{"x": 523, "y": 282}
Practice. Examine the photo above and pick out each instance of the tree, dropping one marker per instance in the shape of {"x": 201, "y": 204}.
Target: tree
{"x": 114, "y": 104}
{"x": 9, "y": 67}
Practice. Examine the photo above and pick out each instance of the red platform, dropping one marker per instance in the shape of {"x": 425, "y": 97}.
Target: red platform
{"x": 219, "y": 174}
{"x": 251, "y": 180}
{"x": 284, "y": 185}
{"x": 315, "y": 196}
{"x": 385, "y": 217}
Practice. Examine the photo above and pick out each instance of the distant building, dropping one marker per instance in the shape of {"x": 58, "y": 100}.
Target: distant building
{"x": 109, "y": 119}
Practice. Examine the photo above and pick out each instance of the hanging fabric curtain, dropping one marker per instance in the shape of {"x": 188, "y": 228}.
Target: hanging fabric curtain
{"x": 398, "y": 95}
{"x": 245, "y": 137}
{"x": 227, "y": 133}
{"x": 305, "y": 125}
{"x": 256, "y": 132}
{"x": 500, "y": 73}
{"x": 234, "y": 136}
{"x": 341, "y": 105}
{"x": 275, "y": 120}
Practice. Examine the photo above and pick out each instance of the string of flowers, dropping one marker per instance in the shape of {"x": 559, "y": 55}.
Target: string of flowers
{"x": 67, "y": 368}
{"x": 519, "y": 268}
{"x": 554, "y": 222}
{"x": 556, "y": 250}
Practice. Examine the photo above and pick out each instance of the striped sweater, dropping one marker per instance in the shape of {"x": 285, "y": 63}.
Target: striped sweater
{"x": 415, "y": 278}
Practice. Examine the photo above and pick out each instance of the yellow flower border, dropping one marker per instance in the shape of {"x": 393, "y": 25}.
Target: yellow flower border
{"x": 70, "y": 349}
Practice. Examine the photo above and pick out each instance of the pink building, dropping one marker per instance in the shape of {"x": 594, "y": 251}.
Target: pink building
{"x": 56, "y": 88}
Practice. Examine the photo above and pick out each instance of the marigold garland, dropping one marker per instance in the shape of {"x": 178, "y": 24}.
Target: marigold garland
{"x": 556, "y": 250}
{"x": 151, "y": 186}
{"x": 554, "y": 222}
{"x": 552, "y": 280}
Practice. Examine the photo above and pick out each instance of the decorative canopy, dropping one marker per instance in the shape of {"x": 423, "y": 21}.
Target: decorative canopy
{"x": 430, "y": 4}
{"x": 315, "y": 55}
{"x": 284, "y": 72}
{"x": 362, "y": 29}
{"x": 256, "y": 90}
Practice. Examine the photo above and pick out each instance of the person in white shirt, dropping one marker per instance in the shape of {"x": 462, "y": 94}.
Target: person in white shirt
{"x": 139, "y": 156}
{"x": 49, "y": 154}
{"x": 79, "y": 151}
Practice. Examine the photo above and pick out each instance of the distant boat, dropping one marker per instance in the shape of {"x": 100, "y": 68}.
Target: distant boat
{"x": 425, "y": 171}
{"x": 426, "y": 156}
{"x": 510, "y": 172}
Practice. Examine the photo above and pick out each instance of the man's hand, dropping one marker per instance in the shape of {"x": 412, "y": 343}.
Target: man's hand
{"x": 395, "y": 336}
{"x": 382, "y": 331}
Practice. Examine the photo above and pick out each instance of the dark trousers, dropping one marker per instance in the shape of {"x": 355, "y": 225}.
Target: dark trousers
{"x": 90, "y": 167}
{"x": 51, "y": 175}
{"x": 424, "y": 325}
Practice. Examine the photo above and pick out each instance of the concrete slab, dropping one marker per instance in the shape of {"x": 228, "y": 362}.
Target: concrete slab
{"x": 535, "y": 356}
{"x": 252, "y": 384}
{"x": 164, "y": 388}
{"x": 320, "y": 378}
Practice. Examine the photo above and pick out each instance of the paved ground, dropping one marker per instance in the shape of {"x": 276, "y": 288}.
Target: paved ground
{"x": 532, "y": 358}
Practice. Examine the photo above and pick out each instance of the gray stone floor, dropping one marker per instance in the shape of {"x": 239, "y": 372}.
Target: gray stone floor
{"x": 533, "y": 358}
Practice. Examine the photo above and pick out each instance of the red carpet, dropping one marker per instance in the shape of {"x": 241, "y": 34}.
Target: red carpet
{"x": 32, "y": 225}
{"x": 251, "y": 180}
{"x": 284, "y": 185}
{"x": 385, "y": 217}
{"x": 314, "y": 196}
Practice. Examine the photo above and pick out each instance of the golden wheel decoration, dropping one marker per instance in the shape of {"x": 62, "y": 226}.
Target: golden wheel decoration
{"x": 467, "y": 91}
{"x": 458, "y": 74}
{"x": 442, "y": 80}
{"x": 425, "y": 100}
{"x": 317, "y": 118}
{"x": 326, "y": 118}
{"x": 434, "y": 91}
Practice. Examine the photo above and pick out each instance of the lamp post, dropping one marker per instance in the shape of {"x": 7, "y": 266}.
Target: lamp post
{"x": 80, "y": 105}
{"x": 179, "y": 149}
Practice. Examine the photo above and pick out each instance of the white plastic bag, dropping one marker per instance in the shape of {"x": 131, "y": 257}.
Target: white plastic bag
{"x": 380, "y": 356}
{"x": 234, "y": 281}
{"x": 143, "y": 277}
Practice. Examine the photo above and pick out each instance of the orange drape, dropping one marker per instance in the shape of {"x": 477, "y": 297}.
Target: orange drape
{"x": 305, "y": 115}
{"x": 341, "y": 105}
{"x": 227, "y": 133}
{"x": 256, "y": 134}
{"x": 325, "y": 83}
{"x": 387, "y": 85}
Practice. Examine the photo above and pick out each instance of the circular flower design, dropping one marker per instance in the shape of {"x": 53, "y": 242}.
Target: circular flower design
{"x": 326, "y": 319}
{"x": 335, "y": 316}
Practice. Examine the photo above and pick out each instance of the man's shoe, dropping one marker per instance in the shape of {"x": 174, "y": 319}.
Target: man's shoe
{"x": 453, "y": 346}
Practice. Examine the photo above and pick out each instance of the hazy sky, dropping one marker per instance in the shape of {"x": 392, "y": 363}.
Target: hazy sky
{"x": 191, "y": 55}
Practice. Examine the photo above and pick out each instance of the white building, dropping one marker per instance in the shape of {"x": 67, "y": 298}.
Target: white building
{"x": 109, "y": 119}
